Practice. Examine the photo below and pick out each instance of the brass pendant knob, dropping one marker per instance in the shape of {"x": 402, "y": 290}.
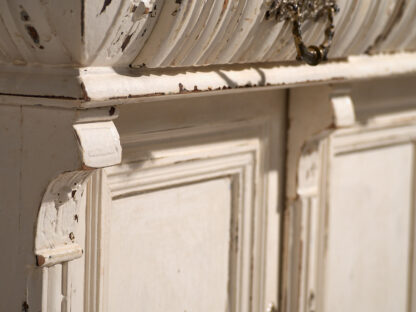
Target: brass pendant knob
{"x": 271, "y": 308}
{"x": 313, "y": 55}
{"x": 298, "y": 11}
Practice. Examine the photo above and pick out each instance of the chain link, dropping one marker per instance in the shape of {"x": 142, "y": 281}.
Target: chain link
{"x": 297, "y": 11}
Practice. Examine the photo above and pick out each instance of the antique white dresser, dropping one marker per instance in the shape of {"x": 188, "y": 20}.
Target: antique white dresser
{"x": 208, "y": 155}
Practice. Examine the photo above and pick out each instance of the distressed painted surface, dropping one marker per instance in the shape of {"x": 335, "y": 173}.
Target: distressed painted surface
{"x": 181, "y": 236}
{"x": 37, "y": 147}
{"x": 99, "y": 146}
{"x": 85, "y": 44}
{"x": 164, "y": 33}
{"x": 351, "y": 235}
{"x": 75, "y": 54}
{"x": 105, "y": 86}
{"x": 369, "y": 233}
{"x": 196, "y": 192}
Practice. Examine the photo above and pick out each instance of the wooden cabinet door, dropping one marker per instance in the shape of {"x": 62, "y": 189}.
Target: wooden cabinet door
{"x": 371, "y": 203}
{"x": 190, "y": 220}
{"x": 356, "y": 214}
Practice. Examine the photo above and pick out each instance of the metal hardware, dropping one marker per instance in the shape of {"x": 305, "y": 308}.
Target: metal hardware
{"x": 297, "y": 11}
{"x": 271, "y": 308}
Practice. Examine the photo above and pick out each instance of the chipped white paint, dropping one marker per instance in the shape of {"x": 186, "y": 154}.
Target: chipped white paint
{"x": 99, "y": 145}
{"x": 60, "y": 230}
{"x": 306, "y": 167}
{"x": 203, "y": 155}
{"x": 104, "y": 86}
{"x": 154, "y": 83}
{"x": 58, "y": 217}
{"x": 43, "y": 196}
{"x": 352, "y": 203}
{"x": 165, "y": 33}
{"x": 207, "y": 167}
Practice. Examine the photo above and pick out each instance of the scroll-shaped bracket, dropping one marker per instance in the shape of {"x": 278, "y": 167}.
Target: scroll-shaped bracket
{"x": 56, "y": 242}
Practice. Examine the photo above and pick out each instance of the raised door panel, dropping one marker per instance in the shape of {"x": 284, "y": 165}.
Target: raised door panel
{"x": 368, "y": 260}
{"x": 352, "y": 230}
{"x": 190, "y": 220}
{"x": 370, "y": 239}
{"x": 168, "y": 245}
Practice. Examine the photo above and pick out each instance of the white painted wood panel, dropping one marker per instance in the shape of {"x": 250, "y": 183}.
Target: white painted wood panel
{"x": 371, "y": 212}
{"x": 169, "y": 249}
{"x": 351, "y": 210}
{"x": 190, "y": 219}
{"x": 216, "y": 157}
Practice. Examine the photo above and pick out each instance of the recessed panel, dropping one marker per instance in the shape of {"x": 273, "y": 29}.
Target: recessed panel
{"x": 369, "y": 238}
{"x": 170, "y": 249}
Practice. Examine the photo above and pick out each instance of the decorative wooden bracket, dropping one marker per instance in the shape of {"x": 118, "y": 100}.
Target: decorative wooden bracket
{"x": 56, "y": 241}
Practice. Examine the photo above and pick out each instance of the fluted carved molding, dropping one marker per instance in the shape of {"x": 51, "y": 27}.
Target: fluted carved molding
{"x": 166, "y": 33}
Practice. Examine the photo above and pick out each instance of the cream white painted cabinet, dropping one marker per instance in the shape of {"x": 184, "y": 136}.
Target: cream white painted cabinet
{"x": 190, "y": 220}
{"x": 354, "y": 236}
{"x": 298, "y": 199}
{"x": 164, "y": 155}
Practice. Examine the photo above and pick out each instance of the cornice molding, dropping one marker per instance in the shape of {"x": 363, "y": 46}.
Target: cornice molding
{"x": 162, "y": 33}
{"x": 104, "y": 86}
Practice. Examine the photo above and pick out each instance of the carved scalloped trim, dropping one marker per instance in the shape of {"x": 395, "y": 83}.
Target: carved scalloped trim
{"x": 161, "y": 33}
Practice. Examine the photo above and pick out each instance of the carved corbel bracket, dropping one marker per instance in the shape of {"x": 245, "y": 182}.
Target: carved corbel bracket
{"x": 315, "y": 113}
{"x": 340, "y": 114}
{"x": 56, "y": 241}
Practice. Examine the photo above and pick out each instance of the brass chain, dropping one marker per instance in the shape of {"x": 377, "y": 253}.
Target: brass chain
{"x": 297, "y": 11}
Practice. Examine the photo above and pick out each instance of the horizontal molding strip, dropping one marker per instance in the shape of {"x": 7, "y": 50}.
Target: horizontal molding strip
{"x": 103, "y": 86}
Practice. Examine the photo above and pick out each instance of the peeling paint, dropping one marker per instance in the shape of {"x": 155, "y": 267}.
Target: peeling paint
{"x": 209, "y": 32}
{"x": 40, "y": 260}
{"x": 33, "y": 33}
{"x": 105, "y": 5}
{"x": 224, "y": 6}
{"x": 91, "y": 90}
{"x": 126, "y": 42}
{"x": 24, "y": 16}
{"x": 84, "y": 92}
{"x": 112, "y": 111}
